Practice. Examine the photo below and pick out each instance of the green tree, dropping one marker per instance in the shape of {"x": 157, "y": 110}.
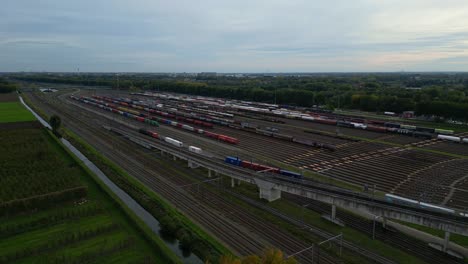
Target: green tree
{"x": 55, "y": 123}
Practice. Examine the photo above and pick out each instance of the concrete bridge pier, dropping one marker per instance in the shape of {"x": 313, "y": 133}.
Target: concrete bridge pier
{"x": 174, "y": 157}
{"x": 332, "y": 217}
{"x": 209, "y": 173}
{"x": 268, "y": 190}
{"x": 446, "y": 241}
{"x": 233, "y": 183}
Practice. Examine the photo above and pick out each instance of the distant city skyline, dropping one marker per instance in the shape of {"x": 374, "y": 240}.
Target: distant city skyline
{"x": 234, "y": 36}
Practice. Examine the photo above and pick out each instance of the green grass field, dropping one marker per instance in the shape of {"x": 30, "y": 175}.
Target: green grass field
{"x": 14, "y": 112}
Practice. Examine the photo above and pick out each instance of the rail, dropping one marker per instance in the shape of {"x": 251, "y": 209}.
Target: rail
{"x": 323, "y": 189}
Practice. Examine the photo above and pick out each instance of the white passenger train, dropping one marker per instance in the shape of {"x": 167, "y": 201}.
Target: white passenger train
{"x": 391, "y": 198}
{"x": 453, "y": 138}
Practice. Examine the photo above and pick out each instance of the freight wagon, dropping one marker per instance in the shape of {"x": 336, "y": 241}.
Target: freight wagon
{"x": 136, "y": 115}
{"x": 174, "y": 142}
{"x": 180, "y": 116}
{"x": 444, "y": 131}
{"x": 260, "y": 167}
{"x": 97, "y": 103}
{"x": 294, "y": 139}
{"x": 149, "y": 133}
{"x": 451, "y": 138}
{"x": 195, "y": 149}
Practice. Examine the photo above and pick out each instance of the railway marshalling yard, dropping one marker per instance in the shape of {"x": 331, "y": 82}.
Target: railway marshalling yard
{"x": 427, "y": 170}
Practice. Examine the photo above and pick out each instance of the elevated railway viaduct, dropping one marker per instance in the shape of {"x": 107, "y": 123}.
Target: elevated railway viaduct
{"x": 270, "y": 188}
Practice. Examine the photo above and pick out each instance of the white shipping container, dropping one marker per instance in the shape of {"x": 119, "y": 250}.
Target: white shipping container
{"x": 450, "y": 138}
{"x": 308, "y": 118}
{"x": 173, "y": 142}
{"x": 195, "y": 149}
{"x": 188, "y": 127}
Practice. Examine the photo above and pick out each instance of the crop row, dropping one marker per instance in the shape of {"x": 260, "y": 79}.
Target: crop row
{"x": 30, "y": 166}
{"x": 62, "y": 240}
{"x": 47, "y": 220}
{"x": 103, "y": 251}
{"x": 42, "y": 201}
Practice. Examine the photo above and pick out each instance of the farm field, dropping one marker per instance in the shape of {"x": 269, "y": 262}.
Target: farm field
{"x": 52, "y": 211}
{"x": 14, "y": 112}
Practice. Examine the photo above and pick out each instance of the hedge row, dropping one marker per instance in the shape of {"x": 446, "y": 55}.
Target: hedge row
{"x": 42, "y": 201}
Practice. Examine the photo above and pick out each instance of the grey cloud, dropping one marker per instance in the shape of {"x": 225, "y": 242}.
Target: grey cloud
{"x": 118, "y": 35}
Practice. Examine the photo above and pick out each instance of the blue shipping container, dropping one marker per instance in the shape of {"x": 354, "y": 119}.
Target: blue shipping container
{"x": 233, "y": 161}
{"x": 290, "y": 174}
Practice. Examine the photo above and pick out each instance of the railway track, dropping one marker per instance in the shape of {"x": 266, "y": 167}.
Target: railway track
{"x": 223, "y": 164}
{"x": 361, "y": 163}
{"x": 135, "y": 170}
{"x": 240, "y": 241}
{"x": 174, "y": 194}
{"x": 421, "y": 158}
{"x": 391, "y": 237}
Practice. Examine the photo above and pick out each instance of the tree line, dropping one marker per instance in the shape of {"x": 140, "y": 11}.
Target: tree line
{"x": 7, "y": 87}
{"x": 441, "y": 95}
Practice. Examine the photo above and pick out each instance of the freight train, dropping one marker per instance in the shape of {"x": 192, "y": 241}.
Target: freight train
{"x": 372, "y": 125}
{"x": 207, "y": 118}
{"x": 294, "y": 139}
{"x": 192, "y": 119}
{"x": 207, "y": 121}
{"x": 323, "y": 117}
{"x": 169, "y": 140}
{"x": 260, "y": 167}
{"x": 117, "y": 111}
{"x": 142, "y": 117}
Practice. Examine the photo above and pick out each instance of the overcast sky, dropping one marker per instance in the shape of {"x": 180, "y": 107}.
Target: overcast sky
{"x": 234, "y": 36}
